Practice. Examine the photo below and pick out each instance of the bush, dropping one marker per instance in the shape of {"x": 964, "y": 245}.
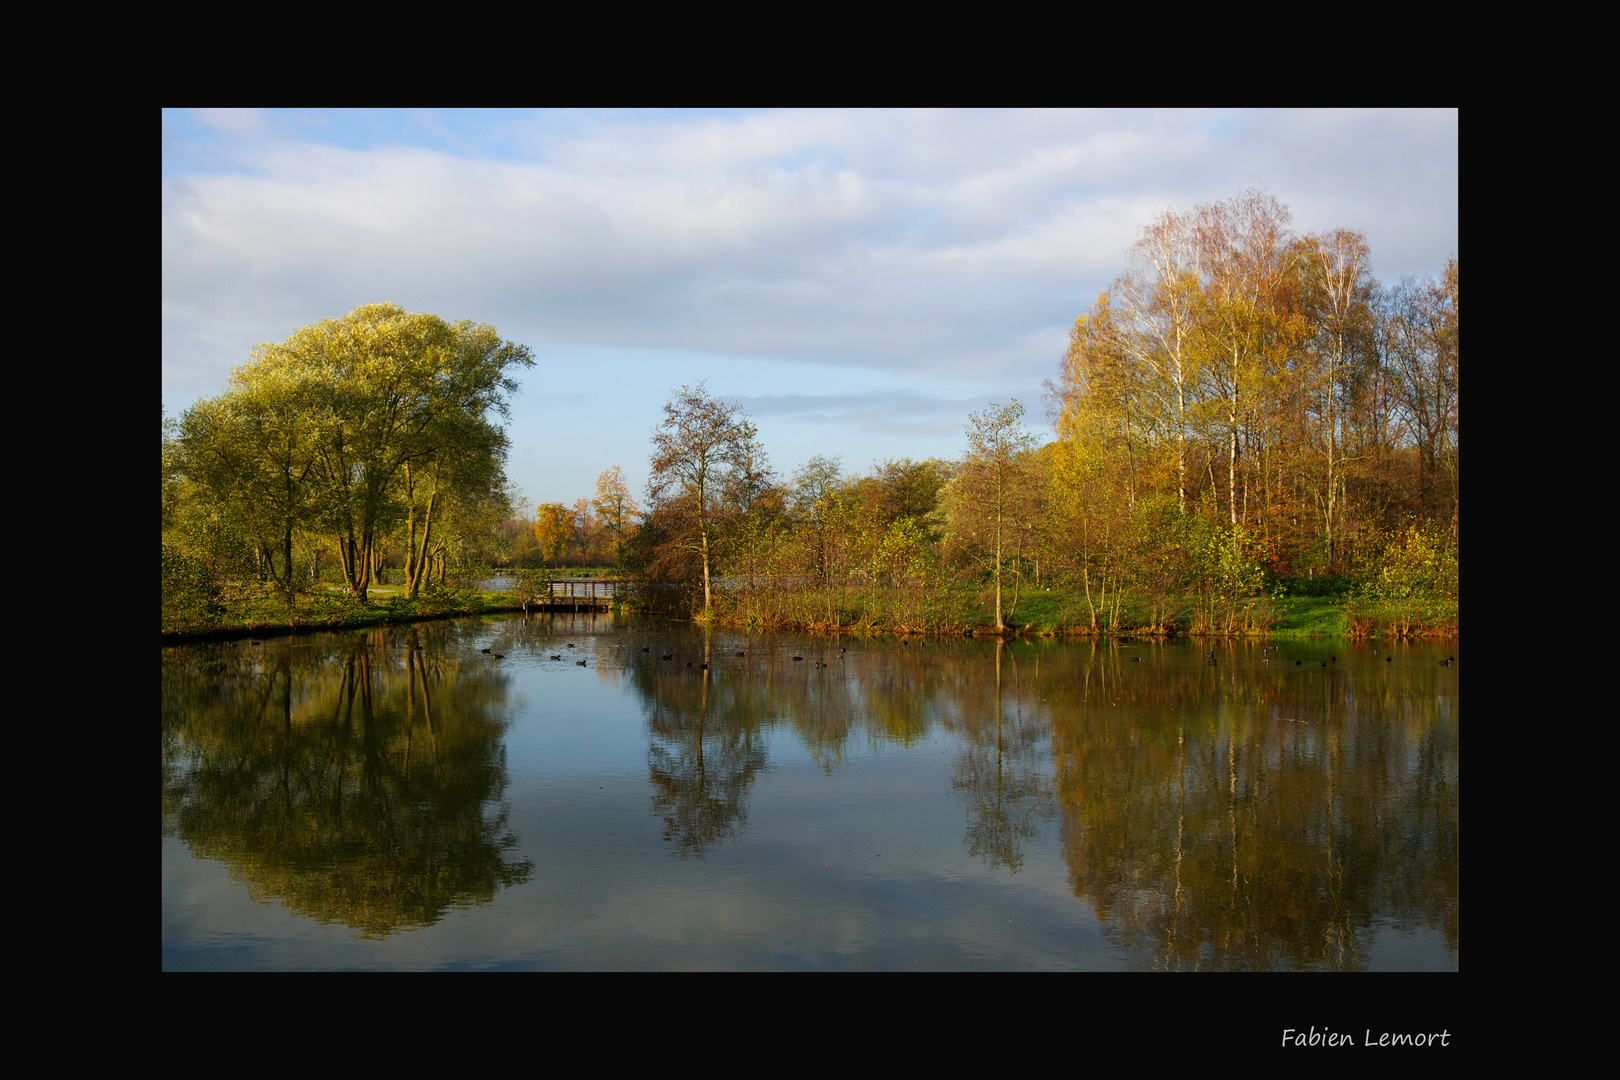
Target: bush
{"x": 1409, "y": 586}
{"x": 192, "y": 595}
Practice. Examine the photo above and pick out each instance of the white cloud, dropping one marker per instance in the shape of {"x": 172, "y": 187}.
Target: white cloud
{"x": 924, "y": 245}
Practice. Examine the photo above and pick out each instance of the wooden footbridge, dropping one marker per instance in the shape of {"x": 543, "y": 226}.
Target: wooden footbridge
{"x": 578, "y": 594}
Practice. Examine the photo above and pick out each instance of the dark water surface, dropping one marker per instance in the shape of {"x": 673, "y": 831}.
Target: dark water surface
{"x": 398, "y": 798}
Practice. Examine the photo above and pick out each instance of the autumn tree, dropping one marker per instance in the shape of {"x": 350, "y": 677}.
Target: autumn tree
{"x": 755, "y": 511}
{"x": 701, "y": 442}
{"x": 992, "y": 499}
{"x": 1335, "y": 349}
{"x": 1157, "y": 327}
{"x": 1423, "y": 349}
{"x": 551, "y": 525}
{"x": 1256, "y": 378}
{"x": 1245, "y": 257}
{"x": 614, "y": 507}
{"x": 910, "y": 489}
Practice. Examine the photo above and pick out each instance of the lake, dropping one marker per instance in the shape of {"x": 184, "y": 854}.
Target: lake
{"x": 399, "y": 798}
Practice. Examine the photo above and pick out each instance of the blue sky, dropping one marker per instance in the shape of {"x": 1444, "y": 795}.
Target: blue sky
{"x": 859, "y": 280}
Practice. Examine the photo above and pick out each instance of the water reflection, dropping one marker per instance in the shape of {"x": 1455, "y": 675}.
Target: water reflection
{"x": 357, "y": 782}
{"x": 1235, "y": 818}
{"x": 704, "y": 749}
{"x": 1275, "y": 809}
{"x": 1003, "y": 771}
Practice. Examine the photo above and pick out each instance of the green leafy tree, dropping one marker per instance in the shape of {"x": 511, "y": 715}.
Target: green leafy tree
{"x": 395, "y": 409}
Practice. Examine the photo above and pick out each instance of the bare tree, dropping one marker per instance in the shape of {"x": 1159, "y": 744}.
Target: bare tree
{"x": 701, "y": 441}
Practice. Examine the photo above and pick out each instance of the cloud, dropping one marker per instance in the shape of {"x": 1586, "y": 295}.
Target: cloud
{"x": 918, "y": 246}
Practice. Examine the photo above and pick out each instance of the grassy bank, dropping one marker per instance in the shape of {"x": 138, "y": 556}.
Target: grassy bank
{"x": 957, "y": 608}
{"x": 260, "y": 614}
{"x": 948, "y": 609}
{"x": 954, "y": 609}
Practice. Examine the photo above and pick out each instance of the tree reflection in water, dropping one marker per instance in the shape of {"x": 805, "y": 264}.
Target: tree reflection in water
{"x": 355, "y": 779}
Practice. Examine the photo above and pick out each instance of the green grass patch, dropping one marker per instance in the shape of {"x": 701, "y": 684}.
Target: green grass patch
{"x": 1309, "y": 616}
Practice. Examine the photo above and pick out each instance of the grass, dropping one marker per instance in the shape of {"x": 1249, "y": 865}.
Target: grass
{"x": 255, "y": 611}
{"x": 1310, "y": 616}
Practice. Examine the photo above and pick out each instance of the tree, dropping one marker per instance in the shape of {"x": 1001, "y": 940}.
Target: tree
{"x": 702, "y": 440}
{"x": 1245, "y": 255}
{"x": 615, "y": 508}
{"x": 820, "y": 512}
{"x": 253, "y": 451}
{"x": 992, "y": 494}
{"x": 755, "y": 508}
{"x": 910, "y": 489}
{"x": 363, "y": 424}
{"x": 1337, "y": 346}
{"x": 1159, "y": 303}
{"x": 551, "y": 529}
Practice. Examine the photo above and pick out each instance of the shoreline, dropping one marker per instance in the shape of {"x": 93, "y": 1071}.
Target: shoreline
{"x": 385, "y": 616}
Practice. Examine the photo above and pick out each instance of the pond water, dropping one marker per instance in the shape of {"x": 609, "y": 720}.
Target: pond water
{"x": 398, "y": 798}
